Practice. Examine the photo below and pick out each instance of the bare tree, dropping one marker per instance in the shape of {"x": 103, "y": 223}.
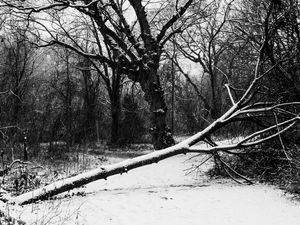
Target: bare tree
{"x": 64, "y": 84}
{"x": 138, "y": 50}
{"x": 204, "y": 43}
{"x": 111, "y": 76}
{"x": 17, "y": 70}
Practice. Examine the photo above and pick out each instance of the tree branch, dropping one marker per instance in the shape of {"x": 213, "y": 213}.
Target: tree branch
{"x": 175, "y": 17}
{"x": 229, "y": 93}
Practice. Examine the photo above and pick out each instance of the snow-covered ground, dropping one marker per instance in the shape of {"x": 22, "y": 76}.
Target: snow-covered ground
{"x": 165, "y": 194}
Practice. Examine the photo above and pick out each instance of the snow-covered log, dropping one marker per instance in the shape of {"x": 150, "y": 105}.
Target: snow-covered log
{"x": 118, "y": 168}
{"x": 181, "y": 148}
{"x": 96, "y": 174}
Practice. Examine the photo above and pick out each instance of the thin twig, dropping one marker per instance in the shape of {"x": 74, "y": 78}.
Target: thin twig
{"x": 9, "y": 167}
{"x": 190, "y": 170}
{"x": 233, "y": 171}
{"x": 242, "y": 144}
{"x": 280, "y": 139}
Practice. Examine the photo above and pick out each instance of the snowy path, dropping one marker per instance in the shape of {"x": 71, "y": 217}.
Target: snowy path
{"x": 163, "y": 194}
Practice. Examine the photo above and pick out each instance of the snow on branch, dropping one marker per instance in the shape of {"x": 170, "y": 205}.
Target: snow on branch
{"x": 20, "y": 7}
{"x": 245, "y": 141}
{"x": 175, "y": 17}
{"x": 229, "y": 93}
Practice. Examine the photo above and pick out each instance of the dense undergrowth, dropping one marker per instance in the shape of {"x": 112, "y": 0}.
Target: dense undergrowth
{"x": 46, "y": 167}
{"x": 49, "y": 166}
{"x": 269, "y": 163}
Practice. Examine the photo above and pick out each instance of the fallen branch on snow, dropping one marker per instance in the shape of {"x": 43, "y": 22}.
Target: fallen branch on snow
{"x": 127, "y": 165}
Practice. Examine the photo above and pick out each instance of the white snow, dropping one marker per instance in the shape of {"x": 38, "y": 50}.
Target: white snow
{"x": 159, "y": 111}
{"x": 163, "y": 194}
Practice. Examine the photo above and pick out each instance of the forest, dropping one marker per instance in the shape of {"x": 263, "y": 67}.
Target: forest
{"x": 218, "y": 80}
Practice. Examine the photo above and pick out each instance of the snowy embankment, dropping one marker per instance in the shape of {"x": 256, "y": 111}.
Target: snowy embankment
{"x": 164, "y": 194}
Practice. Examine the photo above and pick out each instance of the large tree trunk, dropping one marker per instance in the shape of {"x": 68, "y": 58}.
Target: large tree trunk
{"x": 68, "y": 105}
{"x": 16, "y": 104}
{"x": 154, "y": 95}
{"x": 115, "y": 91}
{"x": 90, "y": 97}
{"x": 115, "y": 118}
{"x": 90, "y": 110}
{"x": 216, "y": 101}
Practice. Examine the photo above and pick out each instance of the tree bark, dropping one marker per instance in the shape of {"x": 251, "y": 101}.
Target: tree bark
{"x": 115, "y": 117}
{"x": 216, "y": 106}
{"x": 90, "y": 97}
{"x": 17, "y": 106}
{"x": 154, "y": 95}
{"x": 68, "y": 103}
{"x": 115, "y": 90}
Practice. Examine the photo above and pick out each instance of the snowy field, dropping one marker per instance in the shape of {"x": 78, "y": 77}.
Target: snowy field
{"x": 165, "y": 194}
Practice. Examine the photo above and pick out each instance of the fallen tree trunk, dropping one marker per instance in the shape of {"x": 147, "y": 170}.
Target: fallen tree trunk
{"x": 183, "y": 147}
{"x": 118, "y": 168}
{"x": 96, "y": 174}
